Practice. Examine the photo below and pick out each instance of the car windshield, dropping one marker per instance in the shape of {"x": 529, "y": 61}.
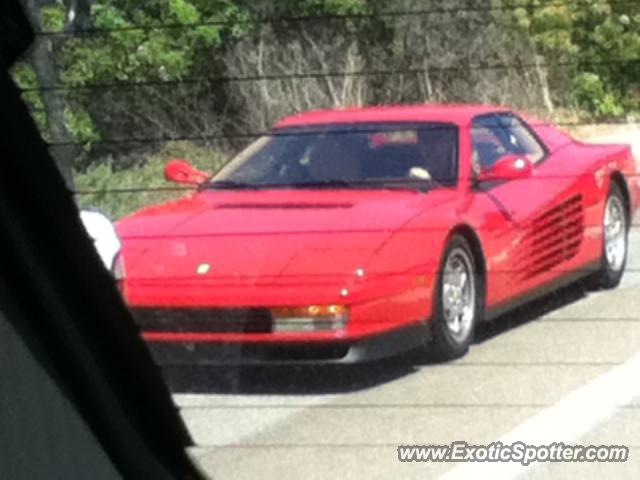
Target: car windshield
{"x": 350, "y": 156}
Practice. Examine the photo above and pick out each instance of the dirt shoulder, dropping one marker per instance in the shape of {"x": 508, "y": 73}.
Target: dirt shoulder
{"x": 606, "y": 133}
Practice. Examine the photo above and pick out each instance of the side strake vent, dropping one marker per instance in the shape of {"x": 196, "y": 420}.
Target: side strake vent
{"x": 552, "y": 238}
{"x": 283, "y": 206}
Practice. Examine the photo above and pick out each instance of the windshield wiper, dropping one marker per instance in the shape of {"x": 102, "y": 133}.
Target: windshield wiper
{"x": 371, "y": 183}
{"x": 420, "y": 184}
{"x": 229, "y": 184}
{"x": 337, "y": 183}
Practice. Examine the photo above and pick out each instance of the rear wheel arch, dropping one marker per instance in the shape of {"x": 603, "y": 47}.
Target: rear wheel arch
{"x": 611, "y": 270}
{"x": 618, "y": 178}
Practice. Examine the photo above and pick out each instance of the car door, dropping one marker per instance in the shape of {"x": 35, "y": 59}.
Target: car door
{"x": 544, "y": 210}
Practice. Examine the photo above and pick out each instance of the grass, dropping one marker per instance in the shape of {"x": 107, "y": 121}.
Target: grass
{"x": 101, "y": 180}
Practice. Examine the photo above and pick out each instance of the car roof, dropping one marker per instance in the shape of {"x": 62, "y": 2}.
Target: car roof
{"x": 459, "y": 114}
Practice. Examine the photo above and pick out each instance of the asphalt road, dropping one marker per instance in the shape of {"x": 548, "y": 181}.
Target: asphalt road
{"x": 566, "y": 368}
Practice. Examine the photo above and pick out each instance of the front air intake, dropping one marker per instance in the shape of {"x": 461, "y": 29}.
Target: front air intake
{"x": 207, "y": 320}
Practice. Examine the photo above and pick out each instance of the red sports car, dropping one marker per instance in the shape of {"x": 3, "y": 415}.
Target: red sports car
{"x": 355, "y": 234}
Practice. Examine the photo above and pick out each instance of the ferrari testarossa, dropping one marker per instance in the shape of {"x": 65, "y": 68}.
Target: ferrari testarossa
{"x": 354, "y": 234}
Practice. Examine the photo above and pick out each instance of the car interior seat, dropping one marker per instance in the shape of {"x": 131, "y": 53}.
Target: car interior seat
{"x": 331, "y": 160}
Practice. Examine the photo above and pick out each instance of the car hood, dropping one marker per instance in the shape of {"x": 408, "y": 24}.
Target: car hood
{"x": 262, "y": 235}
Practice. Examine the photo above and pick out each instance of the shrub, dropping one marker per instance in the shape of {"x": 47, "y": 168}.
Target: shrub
{"x": 591, "y": 95}
{"x": 119, "y": 193}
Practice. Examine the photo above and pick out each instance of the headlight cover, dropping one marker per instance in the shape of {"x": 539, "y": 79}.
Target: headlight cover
{"x": 312, "y": 318}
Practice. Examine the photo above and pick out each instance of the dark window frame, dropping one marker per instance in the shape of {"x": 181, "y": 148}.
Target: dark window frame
{"x": 499, "y": 121}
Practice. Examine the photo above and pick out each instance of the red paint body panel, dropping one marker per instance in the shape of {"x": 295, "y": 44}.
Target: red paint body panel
{"x": 271, "y": 248}
{"x": 460, "y": 115}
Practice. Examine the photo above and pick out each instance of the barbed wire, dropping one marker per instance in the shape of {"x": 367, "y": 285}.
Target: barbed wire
{"x": 136, "y": 190}
{"x": 329, "y": 17}
{"x": 320, "y": 129}
{"x": 335, "y": 74}
{"x": 368, "y": 405}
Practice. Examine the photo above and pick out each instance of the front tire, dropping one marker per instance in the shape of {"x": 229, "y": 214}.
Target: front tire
{"x": 615, "y": 227}
{"x": 457, "y": 302}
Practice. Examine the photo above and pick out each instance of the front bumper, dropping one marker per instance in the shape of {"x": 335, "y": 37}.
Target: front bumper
{"x": 366, "y": 349}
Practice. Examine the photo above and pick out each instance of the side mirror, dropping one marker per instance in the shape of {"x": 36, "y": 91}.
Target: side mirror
{"x": 508, "y": 167}
{"x": 181, "y": 171}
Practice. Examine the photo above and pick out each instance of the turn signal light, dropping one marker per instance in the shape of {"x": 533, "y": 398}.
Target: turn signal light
{"x": 312, "y": 318}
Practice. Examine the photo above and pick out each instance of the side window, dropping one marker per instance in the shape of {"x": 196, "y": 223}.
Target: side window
{"x": 499, "y": 134}
{"x": 520, "y": 138}
{"x": 488, "y": 142}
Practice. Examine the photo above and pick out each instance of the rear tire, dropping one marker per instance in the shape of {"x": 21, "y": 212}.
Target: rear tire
{"x": 615, "y": 228}
{"x": 457, "y": 302}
